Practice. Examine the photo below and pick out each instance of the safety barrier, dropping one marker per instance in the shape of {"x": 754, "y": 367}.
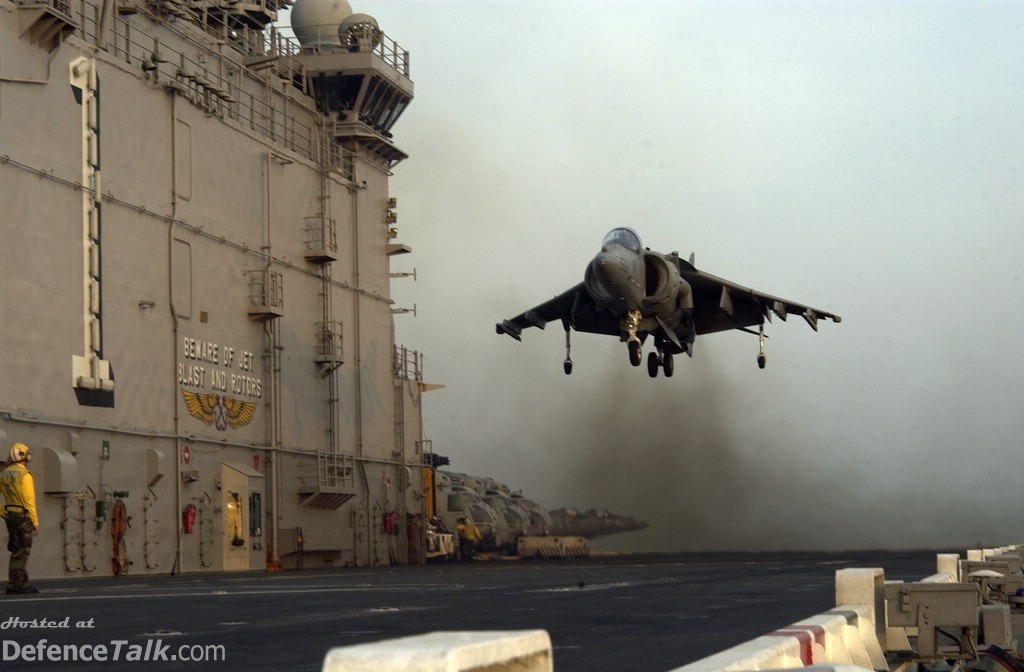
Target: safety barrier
{"x": 842, "y": 636}
{"x": 855, "y": 632}
{"x": 852, "y": 637}
{"x": 494, "y": 651}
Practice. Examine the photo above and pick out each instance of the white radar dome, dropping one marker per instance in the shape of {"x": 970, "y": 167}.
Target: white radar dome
{"x": 315, "y": 22}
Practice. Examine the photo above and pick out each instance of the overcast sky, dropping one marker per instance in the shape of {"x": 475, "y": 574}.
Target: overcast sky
{"x": 865, "y": 158}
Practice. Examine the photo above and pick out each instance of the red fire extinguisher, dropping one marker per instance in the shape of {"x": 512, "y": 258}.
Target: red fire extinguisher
{"x": 188, "y": 518}
{"x": 390, "y": 522}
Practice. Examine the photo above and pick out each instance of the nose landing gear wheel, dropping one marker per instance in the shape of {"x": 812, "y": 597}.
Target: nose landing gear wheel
{"x": 635, "y": 356}
{"x": 761, "y": 361}
{"x": 567, "y": 365}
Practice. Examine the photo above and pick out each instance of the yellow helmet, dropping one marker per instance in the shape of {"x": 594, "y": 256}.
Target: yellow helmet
{"x": 19, "y": 452}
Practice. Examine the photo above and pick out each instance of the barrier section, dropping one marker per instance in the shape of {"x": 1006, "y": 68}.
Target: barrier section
{"x": 947, "y": 569}
{"x": 866, "y": 587}
{"x": 494, "y": 651}
{"x": 842, "y": 636}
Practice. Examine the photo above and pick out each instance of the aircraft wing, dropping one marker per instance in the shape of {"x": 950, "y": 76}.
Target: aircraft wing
{"x": 721, "y": 304}
{"x": 574, "y": 308}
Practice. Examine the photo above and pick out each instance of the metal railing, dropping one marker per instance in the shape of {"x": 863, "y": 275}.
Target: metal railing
{"x": 249, "y": 97}
{"x": 408, "y": 364}
{"x": 335, "y": 471}
{"x": 321, "y": 234}
{"x": 330, "y": 346}
{"x": 62, "y": 6}
{"x": 266, "y": 288}
{"x": 362, "y": 38}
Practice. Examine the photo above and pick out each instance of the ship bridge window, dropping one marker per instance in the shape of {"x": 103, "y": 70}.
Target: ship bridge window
{"x": 375, "y": 97}
{"x": 393, "y": 112}
{"x": 624, "y": 236}
{"x": 336, "y": 93}
{"x": 382, "y": 105}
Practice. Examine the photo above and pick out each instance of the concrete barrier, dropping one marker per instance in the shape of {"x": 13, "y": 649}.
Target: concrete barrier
{"x": 947, "y": 569}
{"x": 842, "y": 636}
{"x": 494, "y": 651}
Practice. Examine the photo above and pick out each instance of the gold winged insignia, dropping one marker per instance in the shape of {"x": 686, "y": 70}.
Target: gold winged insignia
{"x": 201, "y": 406}
{"x": 219, "y": 411}
{"x": 239, "y": 412}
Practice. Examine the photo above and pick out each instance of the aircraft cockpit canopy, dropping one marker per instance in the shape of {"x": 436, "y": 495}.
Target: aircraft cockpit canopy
{"x": 624, "y": 236}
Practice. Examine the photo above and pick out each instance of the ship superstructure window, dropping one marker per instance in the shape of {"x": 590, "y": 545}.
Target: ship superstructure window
{"x": 338, "y": 92}
{"x": 394, "y": 112}
{"x": 382, "y": 105}
{"x": 376, "y": 102}
{"x": 376, "y": 93}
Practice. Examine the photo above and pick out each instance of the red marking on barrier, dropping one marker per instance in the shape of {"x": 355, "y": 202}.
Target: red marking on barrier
{"x": 804, "y": 634}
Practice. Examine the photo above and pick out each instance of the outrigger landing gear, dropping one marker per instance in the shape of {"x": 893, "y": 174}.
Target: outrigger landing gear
{"x": 761, "y": 359}
{"x": 567, "y": 364}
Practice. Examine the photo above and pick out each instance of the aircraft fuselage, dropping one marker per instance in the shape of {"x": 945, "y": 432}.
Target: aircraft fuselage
{"x": 644, "y": 289}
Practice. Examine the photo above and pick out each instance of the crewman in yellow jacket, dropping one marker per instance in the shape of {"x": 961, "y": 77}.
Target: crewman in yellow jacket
{"x": 19, "y": 495}
{"x": 469, "y": 537}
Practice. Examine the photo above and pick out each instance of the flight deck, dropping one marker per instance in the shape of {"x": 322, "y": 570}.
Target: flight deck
{"x": 641, "y": 613}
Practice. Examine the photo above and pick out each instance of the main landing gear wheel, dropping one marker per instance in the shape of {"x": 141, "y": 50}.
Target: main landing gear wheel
{"x": 635, "y": 356}
{"x": 662, "y": 361}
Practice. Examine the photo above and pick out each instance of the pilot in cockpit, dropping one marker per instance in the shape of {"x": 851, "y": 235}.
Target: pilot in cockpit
{"x": 624, "y": 237}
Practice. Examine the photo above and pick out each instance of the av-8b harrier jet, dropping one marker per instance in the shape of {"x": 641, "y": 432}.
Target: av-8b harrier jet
{"x": 632, "y": 292}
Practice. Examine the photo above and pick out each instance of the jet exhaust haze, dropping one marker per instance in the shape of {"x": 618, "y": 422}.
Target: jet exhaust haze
{"x": 684, "y": 461}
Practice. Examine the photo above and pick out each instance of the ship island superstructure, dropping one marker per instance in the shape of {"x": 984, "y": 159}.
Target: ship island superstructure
{"x": 196, "y": 323}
